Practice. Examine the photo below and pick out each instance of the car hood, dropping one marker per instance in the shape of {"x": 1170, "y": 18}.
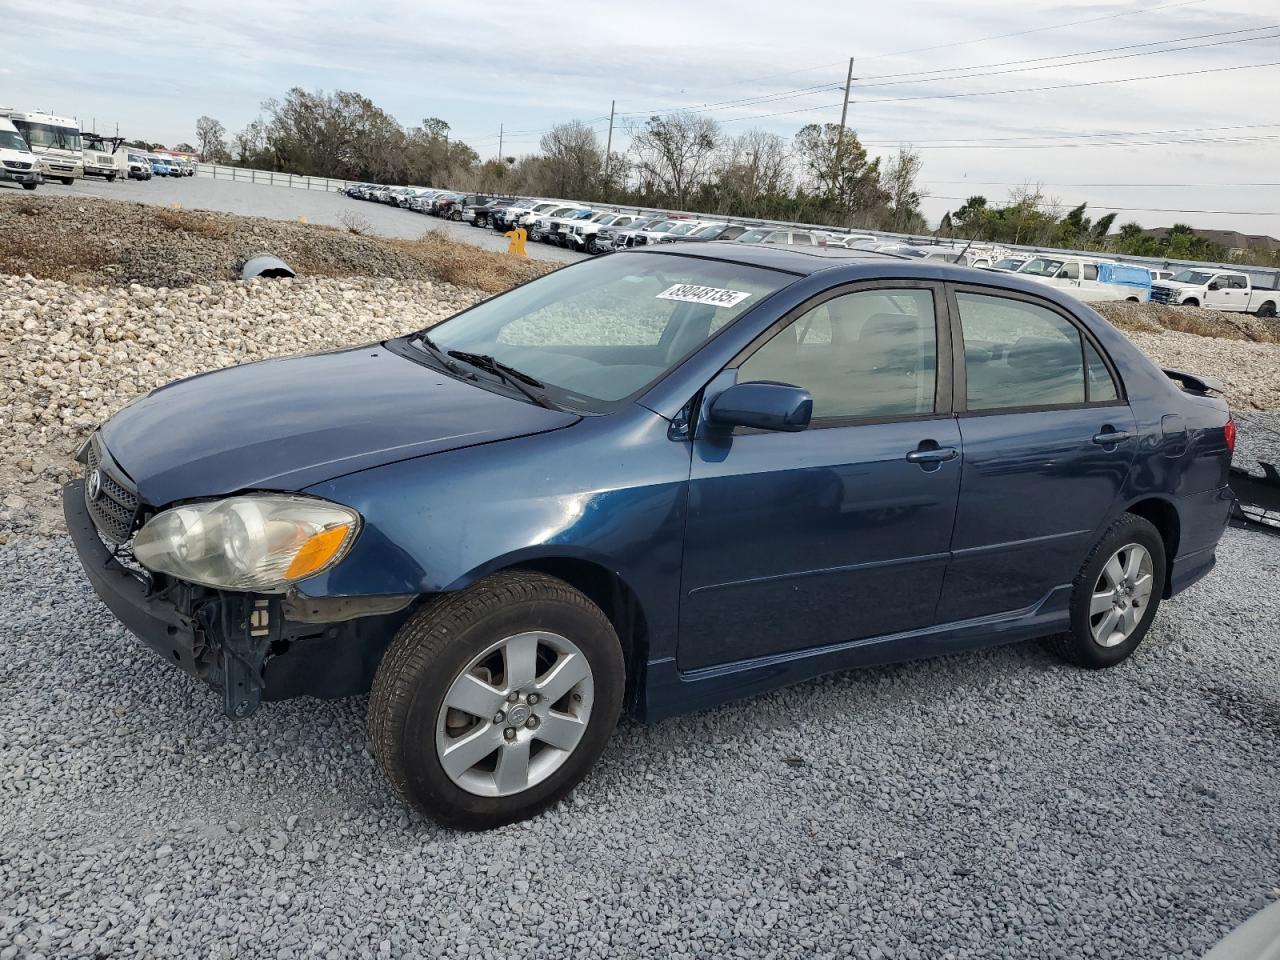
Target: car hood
{"x": 290, "y": 423}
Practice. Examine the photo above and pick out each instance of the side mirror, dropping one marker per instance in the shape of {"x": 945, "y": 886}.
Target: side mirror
{"x": 1215, "y": 285}
{"x": 765, "y": 406}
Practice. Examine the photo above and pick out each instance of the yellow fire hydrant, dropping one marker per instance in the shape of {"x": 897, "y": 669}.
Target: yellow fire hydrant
{"x": 517, "y": 238}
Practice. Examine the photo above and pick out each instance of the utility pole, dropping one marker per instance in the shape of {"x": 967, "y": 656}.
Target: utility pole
{"x": 608, "y": 147}
{"x": 844, "y": 112}
{"x": 500, "y": 132}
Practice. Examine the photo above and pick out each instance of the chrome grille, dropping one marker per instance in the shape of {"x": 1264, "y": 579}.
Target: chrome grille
{"x": 17, "y": 165}
{"x": 115, "y": 507}
{"x": 1160, "y": 294}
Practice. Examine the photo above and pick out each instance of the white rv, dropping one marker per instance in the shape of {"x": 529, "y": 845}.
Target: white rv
{"x": 54, "y": 140}
{"x": 17, "y": 162}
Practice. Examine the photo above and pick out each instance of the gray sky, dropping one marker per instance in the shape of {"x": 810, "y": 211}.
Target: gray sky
{"x": 154, "y": 68}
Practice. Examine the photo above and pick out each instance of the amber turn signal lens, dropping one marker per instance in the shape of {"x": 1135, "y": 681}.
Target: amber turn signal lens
{"x": 317, "y": 551}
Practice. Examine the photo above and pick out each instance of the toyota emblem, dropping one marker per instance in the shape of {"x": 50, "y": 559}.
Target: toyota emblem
{"x": 95, "y": 484}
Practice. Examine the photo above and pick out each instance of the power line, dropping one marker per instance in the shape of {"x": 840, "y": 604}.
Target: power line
{"x": 998, "y": 93}
{"x": 1062, "y": 56}
{"x": 962, "y": 43}
{"x": 1023, "y": 33}
{"x": 1109, "y": 133}
{"x": 1081, "y": 63}
{"x": 1102, "y": 206}
{"x": 1077, "y": 146}
{"x": 922, "y": 78}
{"x": 1041, "y": 183}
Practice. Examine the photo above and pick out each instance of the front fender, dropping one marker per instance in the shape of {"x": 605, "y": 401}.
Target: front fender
{"x": 610, "y": 490}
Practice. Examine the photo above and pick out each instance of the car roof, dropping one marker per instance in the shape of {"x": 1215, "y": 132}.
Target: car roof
{"x": 805, "y": 261}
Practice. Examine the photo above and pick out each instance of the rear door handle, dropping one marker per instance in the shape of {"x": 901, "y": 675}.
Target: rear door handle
{"x": 934, "y": 455}
{"x": 1108, "y": 438}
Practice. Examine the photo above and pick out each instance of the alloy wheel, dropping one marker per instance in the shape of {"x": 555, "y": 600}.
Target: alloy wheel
{"x": 1121, "y": 595}
{"x": 515, "y": 714}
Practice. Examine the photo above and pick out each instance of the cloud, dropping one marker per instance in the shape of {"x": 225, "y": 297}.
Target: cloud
{"x": 154, "y": 69}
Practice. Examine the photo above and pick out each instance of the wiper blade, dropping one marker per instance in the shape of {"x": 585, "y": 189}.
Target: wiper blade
{"x": 506, "y": 373}
{"x": 437, "y": 352}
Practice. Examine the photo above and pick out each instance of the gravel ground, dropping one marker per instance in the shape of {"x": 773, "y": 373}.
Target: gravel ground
{"x": 1249, "y": 371}
{"x": 71, "y": 356}
{"x": 994, "y": 804}
{"x": 288, "y": 203}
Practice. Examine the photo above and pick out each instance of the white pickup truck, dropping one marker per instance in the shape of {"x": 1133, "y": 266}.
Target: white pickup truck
{"x": 1216, "y": 290}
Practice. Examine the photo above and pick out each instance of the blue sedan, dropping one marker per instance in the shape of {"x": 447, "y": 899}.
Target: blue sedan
{"x": 652, "y": 482}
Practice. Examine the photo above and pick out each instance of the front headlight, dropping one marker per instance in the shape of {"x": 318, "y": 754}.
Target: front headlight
{"x": 257, "y": 543}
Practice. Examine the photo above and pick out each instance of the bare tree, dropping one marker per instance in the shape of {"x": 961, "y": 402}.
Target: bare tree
{"x": 674, "y": 153}
{"x": 211, "y": 135}
{"x": 572, "y": 160}
{"x": 249, "y": 145}
{"x": 753, "y": 169}
{"x": 900, "y": 181}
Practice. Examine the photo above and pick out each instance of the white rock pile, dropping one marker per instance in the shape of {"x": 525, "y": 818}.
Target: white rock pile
{"x": 70, "y": 356}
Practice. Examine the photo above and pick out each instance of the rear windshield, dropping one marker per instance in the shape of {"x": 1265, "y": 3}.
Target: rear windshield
{"x": 602, "y": 330}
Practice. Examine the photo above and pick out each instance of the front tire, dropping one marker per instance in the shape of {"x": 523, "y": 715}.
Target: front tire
{"x": 67, "y": 181}
{"x": 30, "y": 186}
{"x": 492, "y": 703}
{"x": 1115, "y": 596}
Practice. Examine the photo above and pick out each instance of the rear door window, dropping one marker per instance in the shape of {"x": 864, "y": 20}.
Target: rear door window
{"x": 1018, "y": 354}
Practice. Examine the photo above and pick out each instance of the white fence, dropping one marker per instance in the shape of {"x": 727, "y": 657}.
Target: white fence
{"x": 270, "y": 177}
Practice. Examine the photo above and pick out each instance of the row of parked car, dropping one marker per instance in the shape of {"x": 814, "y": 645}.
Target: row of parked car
{"x": 144, "y": 166}
{"x": 594, "y": 230}
{"x": 583, "y": 227}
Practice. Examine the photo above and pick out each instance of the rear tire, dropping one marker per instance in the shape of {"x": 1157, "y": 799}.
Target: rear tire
{"x": 1268, "y": 309}
{"x": 467, "y": 648}
{"x": 1115, "y": 596}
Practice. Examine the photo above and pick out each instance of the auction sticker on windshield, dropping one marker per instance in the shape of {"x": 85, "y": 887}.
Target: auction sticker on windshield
{"x": 692, "y": 293}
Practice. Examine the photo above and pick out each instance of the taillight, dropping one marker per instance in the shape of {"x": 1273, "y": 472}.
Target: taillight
{"x": 1229, "y": 434}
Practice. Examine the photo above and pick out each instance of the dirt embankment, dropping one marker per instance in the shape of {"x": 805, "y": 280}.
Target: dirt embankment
{"x": 92, "y": 242}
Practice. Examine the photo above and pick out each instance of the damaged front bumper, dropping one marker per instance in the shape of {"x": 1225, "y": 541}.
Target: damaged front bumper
{"x": 253, "y": 647}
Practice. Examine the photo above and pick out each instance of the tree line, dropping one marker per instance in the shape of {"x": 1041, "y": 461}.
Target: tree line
{"x": 684, "y": 161}
{"x": 1031, "y": 218}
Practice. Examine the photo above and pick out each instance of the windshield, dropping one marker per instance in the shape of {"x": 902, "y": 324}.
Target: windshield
{"x": 11, "y": 141}
{"x": 682, "y": 229}
{"x": 1198, "y": 277}
{"x": 48, "y": 135}
{"x": 754, "y": 236}
{"x": 1009, "y": 264}
{"x": 599, "y": 331}
{"x": 1040, "y": 267}
{"x": 663, "y": 227}
{"x": 710, "y": 232}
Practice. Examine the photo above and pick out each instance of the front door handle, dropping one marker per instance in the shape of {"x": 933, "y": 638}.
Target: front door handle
{"x": 1108, "y": 438}
{"x": 933, "y": 455}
